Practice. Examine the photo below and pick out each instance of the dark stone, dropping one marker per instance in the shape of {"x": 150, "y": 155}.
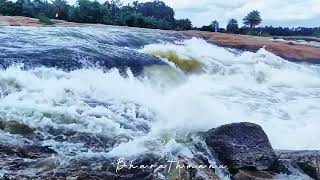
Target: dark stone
{"x": 195, "y": 173}
{"x": 15, "y": 127}
{"x": 287, "y": 166}
{"x": 95, "y": 142}
{"x": 290, "y": 167}
{"x": 105, "y": 169}
{"x": 241, "y": 146}
{"x": 253, "y": 175}
{"x": 98, "y": 168}
{"x": 308, "y": 161}
{"x": 25, "y": 151}
{"x": 2, "y": 124}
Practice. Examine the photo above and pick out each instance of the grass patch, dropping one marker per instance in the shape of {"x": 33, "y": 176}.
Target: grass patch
{"x": 44, "y": 19}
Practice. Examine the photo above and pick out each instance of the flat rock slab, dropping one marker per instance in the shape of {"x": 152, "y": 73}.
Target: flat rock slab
{"x": 291, "y": 52}
{"x": 19, "y": 21}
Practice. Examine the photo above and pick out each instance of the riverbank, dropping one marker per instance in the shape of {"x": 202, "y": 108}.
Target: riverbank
{"x": 285, "y": 49}
{"x": 31, "y": 22}
{"x": 19, "y": 21}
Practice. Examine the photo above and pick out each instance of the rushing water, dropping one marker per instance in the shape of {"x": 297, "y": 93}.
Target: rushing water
{"x": 71, "y": 83}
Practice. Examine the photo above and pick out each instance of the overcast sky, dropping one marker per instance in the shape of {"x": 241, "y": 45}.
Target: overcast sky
{"x": 274, "y": 12}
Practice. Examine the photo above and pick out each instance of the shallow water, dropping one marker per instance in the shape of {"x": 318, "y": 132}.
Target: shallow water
{"x": 74, "y": 85}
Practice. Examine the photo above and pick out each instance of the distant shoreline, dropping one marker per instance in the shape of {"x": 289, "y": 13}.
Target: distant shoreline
{"x": 284, "y": 49}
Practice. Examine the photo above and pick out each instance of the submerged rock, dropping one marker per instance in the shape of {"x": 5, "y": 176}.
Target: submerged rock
{"x": 191, "y": 169}
{"x": 308, "y": 161}
{"x": 290, "y": 167}
{"x": 2, "y": 124}
{"x": 15, "y": 127}
{"x": 241, "y": 146}
{"x": 25, "y": 151}
{"x": 253, "y": 175}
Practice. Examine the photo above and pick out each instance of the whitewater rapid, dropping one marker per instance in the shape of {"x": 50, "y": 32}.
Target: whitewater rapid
{"x": 157, "y": 111}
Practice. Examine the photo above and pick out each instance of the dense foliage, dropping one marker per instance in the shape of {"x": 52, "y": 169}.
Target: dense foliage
{"x": 277, "y": 31}
{"x": 154, "y": 14}
{"x": 232, "y": 26}
{"x": 252, "y": 19}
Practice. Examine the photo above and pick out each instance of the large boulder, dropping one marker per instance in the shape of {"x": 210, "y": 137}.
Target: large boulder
{"x": 241, "y": 146}
{"x": 308, "y": 161}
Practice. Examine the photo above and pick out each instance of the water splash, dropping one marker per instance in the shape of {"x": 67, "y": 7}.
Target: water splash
{"x": 159, "y": 110}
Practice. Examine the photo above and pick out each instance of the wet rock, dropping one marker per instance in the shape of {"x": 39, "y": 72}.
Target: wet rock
{"x": 2, "y": 124}
{"x": 15, "y": 127}
{"x": 289, "y": 167}
{"x": 100, "y": 168}
{"x": 286, "y": 166}
{"x": 308, "y": 161}
{"x": 85, "y": 174}
{"x": 192, "y": 169}
{"x": 95, "y": 142}
{"x": 25, "y": 151}
{"x": 241, "y": 146}
{"x": 253, "y": 175}
{"x": 22, "y": 160}
{"x": 138, "y": 162}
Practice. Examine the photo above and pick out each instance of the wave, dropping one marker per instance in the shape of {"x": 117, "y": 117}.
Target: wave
{"x": 167, "y": 104}
{"x": 281, "y": 96}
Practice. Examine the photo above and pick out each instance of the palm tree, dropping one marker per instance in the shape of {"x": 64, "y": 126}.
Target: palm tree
{"x": 215, "y": 25}
{"x": 232, "y": 25}
{"x": 252, "y": 19}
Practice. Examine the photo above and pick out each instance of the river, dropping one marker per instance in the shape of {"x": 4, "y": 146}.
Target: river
{"x": 120, "y": 92}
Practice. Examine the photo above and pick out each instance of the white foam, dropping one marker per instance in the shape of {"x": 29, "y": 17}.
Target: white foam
{"x": 282, "y": 97}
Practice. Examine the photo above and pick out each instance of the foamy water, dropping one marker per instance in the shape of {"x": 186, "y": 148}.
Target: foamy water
{"x": 158, "y": 110}
{"x": 282, "y": 97}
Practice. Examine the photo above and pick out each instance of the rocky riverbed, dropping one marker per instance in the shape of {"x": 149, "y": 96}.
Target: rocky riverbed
{"x": 242, "y": 152}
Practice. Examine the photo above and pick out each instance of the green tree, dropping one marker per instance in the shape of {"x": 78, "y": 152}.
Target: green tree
{"x": 41, "y": 7}
{"x": 154, "y": 14}
{"x": 252, "y": 19}
{"x": 232, "y": 26}
{"x": 156, "y": 9}
{"x": 135, "y": 20}
{"x": 215, "y": 26}
{"x": 6, "y": 7}
{"x": 183, "y": 24}
{"x": 114, "y": 8}
{"x": 87, "y": 11}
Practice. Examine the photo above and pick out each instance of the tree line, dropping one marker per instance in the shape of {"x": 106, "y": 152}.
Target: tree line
{"x": 252, "y": 20}
{"x": 156, "y": 14}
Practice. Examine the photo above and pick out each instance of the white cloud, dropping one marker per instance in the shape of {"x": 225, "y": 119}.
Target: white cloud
{"x": 284, "y": 12}
{"x": 271, "y": 10}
